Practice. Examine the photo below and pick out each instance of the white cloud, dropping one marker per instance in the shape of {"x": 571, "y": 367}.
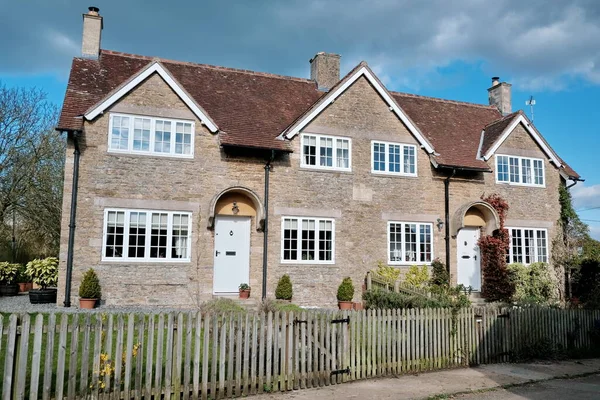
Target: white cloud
{"x": 586, "y": 197}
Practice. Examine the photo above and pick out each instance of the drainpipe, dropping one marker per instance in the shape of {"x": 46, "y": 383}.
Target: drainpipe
{"x": 447, "y": 212}
{"x": 572, "y": 184}
{"x": 266, "y": 225}
{"x": 75, "y": 184}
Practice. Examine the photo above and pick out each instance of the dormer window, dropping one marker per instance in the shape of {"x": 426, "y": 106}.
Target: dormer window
{"x": 522, "y": 171}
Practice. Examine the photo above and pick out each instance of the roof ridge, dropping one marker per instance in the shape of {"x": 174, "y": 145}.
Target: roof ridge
{"x": 217, "y": 67}
{"x": 466, "y": 103}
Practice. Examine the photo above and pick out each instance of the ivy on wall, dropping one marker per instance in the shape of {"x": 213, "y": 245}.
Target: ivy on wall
{"x": 496, "y": 285}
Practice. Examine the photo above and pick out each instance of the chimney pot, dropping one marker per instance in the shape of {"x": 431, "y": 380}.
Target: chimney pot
{"x": 495, "y": 80}
{"x": 325, "y": 70}
{"x": 499, "y": 95}
{"x": 92, "y": 33}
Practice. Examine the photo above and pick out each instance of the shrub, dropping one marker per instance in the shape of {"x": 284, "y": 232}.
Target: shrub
{"x": 439, "y": 274}
{"x": 90, "y": 286}
{"x": 284, "y": 288}
{"x": 244, "y": 286}
{"x": 446, "y": 297}
{"x": 345, "y": 290}
{"x": 8, "y": 272}
{"x": 274, "y": 305}
{"x": 533, "y": 284}
{"x": 221, "y": 305}
{"x": 387, "y": 272}
{"x": 417, "y": 277}
{"x": 587, "y": 279}
{"x": 22, "y": 276}
{"x": 43, "y": 272}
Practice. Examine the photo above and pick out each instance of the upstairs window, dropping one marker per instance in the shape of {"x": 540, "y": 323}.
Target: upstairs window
{"x": 141, "y": 235}
{"x": 520, "y": 170}
{"x": 148, "y": 135}
{"x": 527, "y": 245}
{"x": 393, "y": 158}
{"x": 326, "y": 152}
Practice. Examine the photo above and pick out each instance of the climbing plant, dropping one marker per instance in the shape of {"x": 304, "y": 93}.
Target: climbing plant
{"x": 497, "y": 285}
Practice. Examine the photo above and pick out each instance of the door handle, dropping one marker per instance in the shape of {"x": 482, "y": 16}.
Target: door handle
{"x": 466, "y": 257}
{"x": 217, "y": 253}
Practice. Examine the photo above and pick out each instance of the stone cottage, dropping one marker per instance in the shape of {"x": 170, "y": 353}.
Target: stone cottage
{"x": 184, "y": 180}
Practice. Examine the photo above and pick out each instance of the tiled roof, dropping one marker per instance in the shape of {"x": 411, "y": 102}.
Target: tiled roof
{"x": 251, "y": 109}
{"x": 494, "y": 130}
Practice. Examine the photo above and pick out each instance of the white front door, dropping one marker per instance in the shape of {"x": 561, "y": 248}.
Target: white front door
{"x": 469, "y": 263}
{"x": 232, "y": 253}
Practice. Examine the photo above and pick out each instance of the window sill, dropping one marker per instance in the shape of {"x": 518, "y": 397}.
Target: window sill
{"x": 409, "y": 263}
{"x": 303, "y": 263}
{"x": 394, "y": 175}
{"x": 149, "y": 155}
{"x": 145, "y": 261}
{"x": 330, "y": 170}
{"x": 525, "y": 185}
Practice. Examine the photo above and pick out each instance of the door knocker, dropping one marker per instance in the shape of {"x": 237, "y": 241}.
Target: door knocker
{"x": 230, "y": 233}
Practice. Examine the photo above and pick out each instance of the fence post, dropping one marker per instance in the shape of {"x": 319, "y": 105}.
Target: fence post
{"x": 369, "y": 281}
{"x": 397, "y": 286}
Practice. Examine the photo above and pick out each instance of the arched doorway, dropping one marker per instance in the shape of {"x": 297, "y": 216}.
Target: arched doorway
{"x": 231, "y": 215}
{"x": 469, "y": 222}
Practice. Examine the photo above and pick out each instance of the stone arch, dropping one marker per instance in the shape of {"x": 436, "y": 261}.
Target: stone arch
{"x": 476, "y": 213}
{"x": 249, "y": 204}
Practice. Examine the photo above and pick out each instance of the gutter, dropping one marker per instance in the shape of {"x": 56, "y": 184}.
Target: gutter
{"x": 268, "y": 168}
{"x": 447, "y": 216}
{"x": 75, "y": 136}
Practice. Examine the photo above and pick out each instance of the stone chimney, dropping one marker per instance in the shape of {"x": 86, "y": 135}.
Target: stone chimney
{"x": 92, "y": 33}
{"x": 500, "y": 95}
{"x": 325, "y": 70}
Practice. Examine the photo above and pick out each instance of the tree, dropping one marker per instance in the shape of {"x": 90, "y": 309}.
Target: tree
{"x": 31, "y": 173}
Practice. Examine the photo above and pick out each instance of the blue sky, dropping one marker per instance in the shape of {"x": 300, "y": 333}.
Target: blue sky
{"x": 435, "y": 48}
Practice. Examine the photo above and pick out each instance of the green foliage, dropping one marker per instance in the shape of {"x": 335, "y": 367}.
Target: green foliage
{"x": 417, "y": 277}
{"x": 590, "y": 249}
{"x": 445, "y": 297}
{"x": 387, "y": 272}
{"x": 274, "y": 305}
{"x": 533, "y": 284}
{"x": 90, "y": 286}
{"x": 8, "y": 273}
{"x": 22, "y": 276}
{"x": 586, "y": 285}
{"x": 345, "y": 290}
{"x": 284, "y": 288}
{"x": 43, "y": 272}
{"x": 221, "y": 305}
{"x": 244, "y": 286}
{"x": 544, "y": 349}
{"x": 439, "y": 274}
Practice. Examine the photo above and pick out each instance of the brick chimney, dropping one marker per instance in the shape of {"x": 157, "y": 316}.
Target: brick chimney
{"x": 92, "y": 33}
{"x": 500, "y": 95}
{"x": 325, "y": 70}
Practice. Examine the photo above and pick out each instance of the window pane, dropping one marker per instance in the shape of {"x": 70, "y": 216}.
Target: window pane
{"x": 409, "y": 160}
{"x": 137, "y": 235}
{"x": 529, "y": 246}
{"x": 526, "y": 170}
{"x": 183, "y": 138}
{"x": 180, "y": 236}
{"x": 538, "y": 171}
{"x": 517, "y": 246}
{"x": 542, "y": 248}
{"x": 115, "y": 229}
{"x": 378, "y": 156}
{"x": 394, "y": 158}
{"x": 395, "y": 242}
{"x": 120, "y": 133}
{"x": 410, "y": 242}
{"x": 309, "y": 149}
{"x": 158, "y": 238}
{"x": 326, "y": 152}
{"x": 162, "y": 137}
{"x": 141, "y": 134}
{"x": 502, "y": 169}
{"x": 290, "y": 239}
{"x": 308, "y": 240}
{"x": 342, "y": 153}
{"x": 425, "y": 243}
{"x": 325, "y": 240}
{"x": 514, "y": 169}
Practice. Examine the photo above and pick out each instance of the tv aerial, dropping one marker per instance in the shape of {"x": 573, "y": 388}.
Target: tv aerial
{"x": 531, "y": 103}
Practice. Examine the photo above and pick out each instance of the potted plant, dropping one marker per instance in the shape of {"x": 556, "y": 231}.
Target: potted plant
{"x": 283, "y": 291}
{"x": 89, "y": 290}
{"x": 244, "y": 291}
{"x": 345, "y": 294}
{"x": 24, "y": 280}
{"x": 43, "y": 273}
{"x": 8, "y": 273}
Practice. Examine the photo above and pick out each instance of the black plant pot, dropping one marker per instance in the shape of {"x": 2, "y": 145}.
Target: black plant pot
{"x": 9, "y": 290}
{"x": 42, "y": 296}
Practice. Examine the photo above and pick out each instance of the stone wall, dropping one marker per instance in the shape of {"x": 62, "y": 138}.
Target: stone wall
{"x": 362, "y": 203}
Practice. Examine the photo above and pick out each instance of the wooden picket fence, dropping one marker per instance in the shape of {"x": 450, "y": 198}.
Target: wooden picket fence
{"x": 200, "y": 356}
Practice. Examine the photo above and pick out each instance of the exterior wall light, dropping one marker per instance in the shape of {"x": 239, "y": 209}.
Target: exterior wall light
{"x": 235, "y": 209}
{"x": 440, "y": 224}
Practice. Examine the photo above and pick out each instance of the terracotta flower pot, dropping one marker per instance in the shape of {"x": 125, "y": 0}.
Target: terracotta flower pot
{"x": 358, "y": 306}
{"x": 25, "y": 287}
{"x": 345, "y": 305}
{"x": 244, "y": 294}
{"x": 87, "y": 303}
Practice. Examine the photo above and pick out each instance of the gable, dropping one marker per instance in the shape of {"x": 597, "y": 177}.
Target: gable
{"x": 358, "y": 111}
{"x": 362, "y": 70}
{"x": 520, "y": 143}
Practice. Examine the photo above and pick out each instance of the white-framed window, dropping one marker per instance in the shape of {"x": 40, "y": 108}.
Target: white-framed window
{"x": 528, "y": 245}
{"x": 306, "y": 240}
{"x": 326, "y": 152}
{"x": 134, "y": 134}
{"x": 410, "y": 243}
{"x": 523, "y": 171}
{"x": 393, "y": 158}
{"x": 146, "y": 235}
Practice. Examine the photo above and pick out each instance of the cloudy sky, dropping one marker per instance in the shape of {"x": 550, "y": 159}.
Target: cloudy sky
{"x": 444, "y": 48}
